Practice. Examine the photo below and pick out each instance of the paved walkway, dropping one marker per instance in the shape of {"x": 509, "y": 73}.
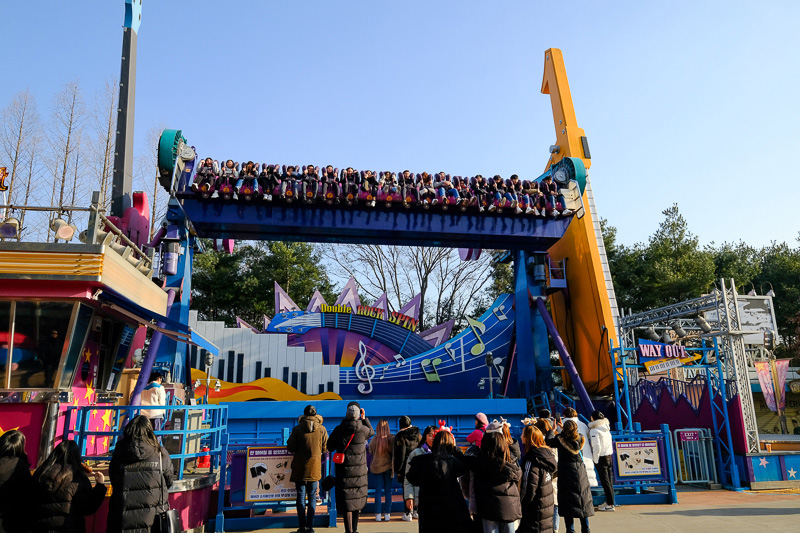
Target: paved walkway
{"x": 699, "y": 511}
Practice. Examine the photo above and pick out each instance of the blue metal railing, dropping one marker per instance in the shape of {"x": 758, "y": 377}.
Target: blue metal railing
{"x": 211, "y": 432}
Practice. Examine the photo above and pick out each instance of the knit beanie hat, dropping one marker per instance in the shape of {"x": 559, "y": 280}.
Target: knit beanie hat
{"x": 480, "y": 417}
{"x": 353, "y": 410}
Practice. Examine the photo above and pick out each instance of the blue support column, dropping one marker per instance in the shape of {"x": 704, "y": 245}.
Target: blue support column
{"x": 171, "y": 352}
{"x": 533, "y": 350}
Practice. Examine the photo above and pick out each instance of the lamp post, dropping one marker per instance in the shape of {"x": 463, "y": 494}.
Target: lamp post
{"x": 489, "y": 362}
{"x": 209, "y": 362}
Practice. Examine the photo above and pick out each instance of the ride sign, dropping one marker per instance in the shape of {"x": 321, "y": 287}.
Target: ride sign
{"x": 267, "y": 475}
{"x": 637, "y": 458}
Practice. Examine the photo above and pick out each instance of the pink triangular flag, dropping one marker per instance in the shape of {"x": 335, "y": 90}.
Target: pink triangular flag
{"x": 242, "y": 324}
{"x": 412, "y": 307}
{"x": 349, "y": 295}
{"x": 282, "y": 301}
{"x": 383, "y": 303}
{"x": 438, "y": 334}
{"x": 316, "y": 301}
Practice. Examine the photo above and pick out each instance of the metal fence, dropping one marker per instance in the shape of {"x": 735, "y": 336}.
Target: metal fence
{"x": 694, "y": 455}
{"x": 192, "y": 431}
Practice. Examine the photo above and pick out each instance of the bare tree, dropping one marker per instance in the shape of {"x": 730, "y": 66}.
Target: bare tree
{"x": 64, "y": 134}
{"x": 448, "y": 287}
{"x": 146, "y": 177}
{"x": 32, "y": 155}
{"x": 103, "y": 125}
{"x": 20, "y": 122}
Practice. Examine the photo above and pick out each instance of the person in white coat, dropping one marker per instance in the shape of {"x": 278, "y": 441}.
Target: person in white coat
{"x": 586, "y": 451}
{"x": 153, "y": 395}
{"x": 602, "y": 455}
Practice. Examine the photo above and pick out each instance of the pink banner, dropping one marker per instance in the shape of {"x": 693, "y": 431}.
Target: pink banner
{"x": 782, "y": 366}
{"x": 765, "y": 379}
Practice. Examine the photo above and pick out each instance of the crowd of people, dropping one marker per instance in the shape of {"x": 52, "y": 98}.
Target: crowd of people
{"x": 498, "y": 484}
{"x": 59, "y": 494}
{"x": 327, "y": 184}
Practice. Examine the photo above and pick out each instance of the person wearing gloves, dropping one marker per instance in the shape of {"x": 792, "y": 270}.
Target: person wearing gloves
{"x": 583, "y": 429}
{"x": 350, "y": 438}
{"x": 602, "y": 452}
{"x": 307, "y": 442}
{"x": 411, "y": 491}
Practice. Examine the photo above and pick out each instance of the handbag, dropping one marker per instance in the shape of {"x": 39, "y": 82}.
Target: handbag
{"x": 166, "y": 520}
{"x": 338, "y": 457}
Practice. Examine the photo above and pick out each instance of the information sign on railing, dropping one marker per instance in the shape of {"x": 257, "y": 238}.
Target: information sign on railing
{"x": 267, "y": 476}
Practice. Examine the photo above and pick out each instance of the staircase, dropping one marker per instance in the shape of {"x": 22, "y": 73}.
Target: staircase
{"x": 612, "y": 298}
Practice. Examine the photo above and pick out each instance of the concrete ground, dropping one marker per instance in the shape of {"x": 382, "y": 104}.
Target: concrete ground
{"x": 701, "y": 511}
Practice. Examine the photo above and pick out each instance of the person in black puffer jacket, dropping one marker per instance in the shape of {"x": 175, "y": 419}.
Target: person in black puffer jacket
{"x": 536, "y": 489}
{"x": 351, "y": 476}
{"x": 62, "y": 494}
{"x": 442, "y": 507}
{"x": 574, "y": 494}
{"x": 15, "y": 482}
{"x": 496, "y": 477}
{"x": 141, "y": 474}
{"x": 405, "y": 441}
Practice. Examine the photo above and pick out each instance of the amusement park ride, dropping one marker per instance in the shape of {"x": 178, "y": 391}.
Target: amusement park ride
{"x": 74, "y": 320}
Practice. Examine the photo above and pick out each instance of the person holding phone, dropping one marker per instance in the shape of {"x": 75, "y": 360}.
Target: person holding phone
{"x": 350, "y": 438}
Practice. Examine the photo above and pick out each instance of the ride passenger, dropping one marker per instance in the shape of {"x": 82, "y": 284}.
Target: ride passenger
{"x": 519, "y": 196}
{"x": 370, "y": 185}
{"x": 465, "y": 193}
{"x": 388, "y": 184}
{"x": 349, "y": 180}
{"x": 289, "y": 179}
{"x": 269, "y": 179}
{"x": 426, "y": 189}
{"x": 227, "y": 176}
{"x": 409, "y": 188}
{"x": 205, "y": 175}
{"x": 444, "y": 186}
{"x": 537, "y": 199}
{"x": 330, "y": 185}
{"x": 481, "y": 190}
{"x": 310, "y": 182}
{"x": 248, "y": 175}
{"x": 550, "y": 191}
{"x": 497, "y": 188}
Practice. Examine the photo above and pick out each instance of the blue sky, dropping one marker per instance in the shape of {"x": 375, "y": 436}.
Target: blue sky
{"x": 687, "y": 102}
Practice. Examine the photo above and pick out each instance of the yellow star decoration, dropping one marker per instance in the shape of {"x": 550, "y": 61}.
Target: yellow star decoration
{"x": 94, "y": 412}
{"x": 87, "y": 355}
{"x": 105, "y": 442}
{"x": 90, "y": 440}
{"x": 106, "y": 418}
{"x": 89, "y": 392}
{"x": 7, "y": 430}
{"x": 75, "y": 402}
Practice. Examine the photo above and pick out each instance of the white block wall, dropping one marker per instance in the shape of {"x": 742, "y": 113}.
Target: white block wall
{"x": 269, "y": 348}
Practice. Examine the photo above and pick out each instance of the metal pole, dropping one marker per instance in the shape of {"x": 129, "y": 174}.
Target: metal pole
{"x": 122, "y": 183}
{"x": 150, "y": 358}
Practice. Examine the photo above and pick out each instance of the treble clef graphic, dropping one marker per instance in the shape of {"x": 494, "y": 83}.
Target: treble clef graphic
{"x": 364, "y": 372}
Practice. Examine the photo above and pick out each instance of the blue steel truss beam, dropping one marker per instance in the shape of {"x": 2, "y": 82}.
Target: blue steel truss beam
{"x": 258, "y": 220}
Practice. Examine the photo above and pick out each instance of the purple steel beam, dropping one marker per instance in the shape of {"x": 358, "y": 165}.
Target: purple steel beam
{"x": 565, "y": 358}
{"x": 150, "y": 357}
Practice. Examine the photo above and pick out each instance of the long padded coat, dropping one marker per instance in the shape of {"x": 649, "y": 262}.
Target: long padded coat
{"x": 138, "y": 489}
{"x": 536, "y": 491}
{"x": 496, "y": 491}
{"x": 15, "y": 484}
{"x": 63, "y": 510}
{"x": 574, "y": 494}
{"x": 405, "y": 441}
{"x": 351, "y": 476}
{"x": 442, "y": 507}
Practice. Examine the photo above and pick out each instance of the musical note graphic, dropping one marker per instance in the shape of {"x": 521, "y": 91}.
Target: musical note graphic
{"x": 499, "y": 312}
{"x": 364, "y": 372}
{"x": 452, "y": 352}
{"x": 476, "y": 326}
{"x": 433, "y": 375}
{"x": 383, "y": 375}
{"x": 400, "y": 361}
